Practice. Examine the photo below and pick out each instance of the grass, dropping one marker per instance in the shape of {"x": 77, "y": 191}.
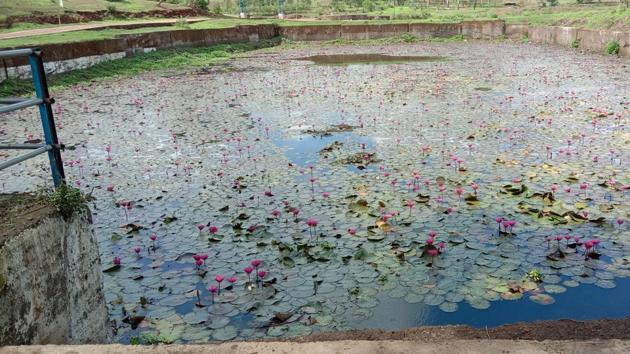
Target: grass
{"x": 612, "y": 47}
{"x": 137, "y": 64}
{"x": 23, "y": 26}
{"x": 601, "y": 16}
{"x": 78, "y": 36}
{"x": 68, "y": 200}
{"x": 51, "y": 7}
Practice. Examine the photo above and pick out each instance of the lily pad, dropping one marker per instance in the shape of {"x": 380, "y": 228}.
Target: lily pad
{"x": 542, "y": 299}
{"x": 225, "y": 333}
{"x": 555, "y": 289}
{"x": 606, "y": 284}
{"x": 448, "y": 306}
{"x": 479, "y": 303}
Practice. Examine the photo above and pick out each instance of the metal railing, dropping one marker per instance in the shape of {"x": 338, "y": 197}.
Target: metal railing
{"x": 44, "y": 102}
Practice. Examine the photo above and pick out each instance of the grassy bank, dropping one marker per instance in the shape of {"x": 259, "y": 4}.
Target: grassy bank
{"x": 48, "y": 7}
{"x": 137, "y": 64}
{"x": 586, "y": 16}
{"x": 600, "y": 16}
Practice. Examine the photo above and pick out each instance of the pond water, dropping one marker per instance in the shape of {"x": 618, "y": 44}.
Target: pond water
{"x": 485, "y": 189}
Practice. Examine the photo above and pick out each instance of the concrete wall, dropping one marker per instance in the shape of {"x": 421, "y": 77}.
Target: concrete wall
{"x": 469, "y": 29}
{"x": 588, "y": 39}
{"x": 64, "y": 57}
{"x": 434, "y": 30}
{"x": 595, "y": 40}
{"x": 310, "y": 33}
{"x": 50, "y": 285}
{"x": 62, "y": 66}
{"x": 483, "y": 29}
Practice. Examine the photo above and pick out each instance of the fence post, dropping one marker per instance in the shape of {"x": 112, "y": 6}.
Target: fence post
{"x": 46, "y": 114}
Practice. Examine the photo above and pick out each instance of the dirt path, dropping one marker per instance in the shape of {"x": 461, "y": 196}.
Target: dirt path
{"x": 90, "y": 26}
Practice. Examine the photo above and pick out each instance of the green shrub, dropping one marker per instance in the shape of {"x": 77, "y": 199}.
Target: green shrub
{"x": 368, "y": 5}
{"x": 68, "y": 200}
{"x": 181, "y": 22}
{"x": 412, "y": 16}
{"x": 525, "y": 39}
{"x": 612, "y": 47}
{"x": 338, "y": 5}
{"x": 408, "y": 38}
{"x": 575, "y": 44}
{"x": 111, "y": 9}
{"x": 150, "y": 339}
{"x": 455, "y": 38}
{"x": 201, "y": 4}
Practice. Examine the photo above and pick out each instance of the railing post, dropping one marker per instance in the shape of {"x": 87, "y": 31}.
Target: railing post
{"x": 46, "y": 114}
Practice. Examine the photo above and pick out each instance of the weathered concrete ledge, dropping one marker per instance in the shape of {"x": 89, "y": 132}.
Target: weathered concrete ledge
{"x": 480, "y": 346}
{"x": 587, "y": 39}
{"x": 50, "y": 283}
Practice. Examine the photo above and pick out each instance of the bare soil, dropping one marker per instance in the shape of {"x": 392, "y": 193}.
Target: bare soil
{"x": 539, "y": 330}
{"x": 19, "y": 212}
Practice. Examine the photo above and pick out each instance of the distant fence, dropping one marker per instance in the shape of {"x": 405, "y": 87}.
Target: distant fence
{"x": 70, "y": 56}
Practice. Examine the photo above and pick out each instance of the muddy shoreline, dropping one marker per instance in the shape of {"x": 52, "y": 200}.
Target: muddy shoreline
{"x": 539, "y": 331}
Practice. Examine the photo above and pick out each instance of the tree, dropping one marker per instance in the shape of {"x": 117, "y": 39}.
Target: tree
{"x": 198, "y": 4}
{"x": 368, "y": 5}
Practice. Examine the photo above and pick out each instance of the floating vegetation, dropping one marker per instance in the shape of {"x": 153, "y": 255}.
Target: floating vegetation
{"x": 369, "y": 58}
{"x": 301, "y": 198}
{"x": 339, "y": 128}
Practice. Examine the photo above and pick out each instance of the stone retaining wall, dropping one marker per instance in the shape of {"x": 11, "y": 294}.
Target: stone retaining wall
{"x": 50, "y": 285}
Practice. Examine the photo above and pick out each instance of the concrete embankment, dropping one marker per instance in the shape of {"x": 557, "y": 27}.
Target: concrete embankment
{"x": 65, "y": 57}
{"x": 50, "y": 279}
